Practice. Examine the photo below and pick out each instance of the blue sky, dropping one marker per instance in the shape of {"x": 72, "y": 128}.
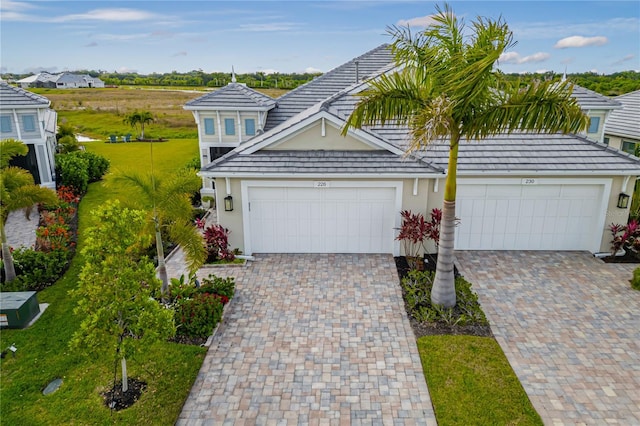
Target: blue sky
{"x": 296, "y": 36}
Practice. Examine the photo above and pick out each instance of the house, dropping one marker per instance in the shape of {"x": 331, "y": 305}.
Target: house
{"x": 298, "y": 186}
{"x": 622, "y": 128}
{"x": 63, "y": 80}
{"x": 27, "y": 117}
{"x": 598, "y": 108}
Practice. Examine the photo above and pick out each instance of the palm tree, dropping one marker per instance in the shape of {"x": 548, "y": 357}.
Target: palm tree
{"x": 17, "y": 191}
{"x": 140, "y": 118}
{"x": 446, "y": 87}
{"x": 169, "y": 206}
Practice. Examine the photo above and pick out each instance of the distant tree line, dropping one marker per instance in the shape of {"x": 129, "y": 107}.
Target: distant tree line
{"x": 606, "y": 84}
{"x": 609, "y": 85}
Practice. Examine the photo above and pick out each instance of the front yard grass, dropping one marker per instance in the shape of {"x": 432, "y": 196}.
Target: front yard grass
{"x": 43, "y": 353}
{"x": 471, "y": 382}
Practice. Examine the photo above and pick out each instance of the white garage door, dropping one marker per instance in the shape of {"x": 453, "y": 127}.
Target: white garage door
{"x": 529, "y": 217}
{"x": 321, "y": 220}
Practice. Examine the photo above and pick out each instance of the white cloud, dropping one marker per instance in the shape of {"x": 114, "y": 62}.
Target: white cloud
{"x": 125, "y": 70}
{"x": 111, "y": 15}
{"x": 15, "y": 5}
{"x": 312, "y": 70}
{"x": 580, "y": 41}
{"x": 270, "y": 71}
{"x": 627, "y": 58}
{"x": 515, "y": 58}
{"x": 559, "y": 29}
{"x": 420, "y": 21}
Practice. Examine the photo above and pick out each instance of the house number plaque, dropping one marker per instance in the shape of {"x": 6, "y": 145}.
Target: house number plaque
{"x": 529, "y": 181}
{"x": 321, "y": 184}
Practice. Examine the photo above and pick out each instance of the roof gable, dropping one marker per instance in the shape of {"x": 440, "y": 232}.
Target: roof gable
{"x": 588, "y": 99}
{"x": 12, "y": 97}
{"x": 323, "y": 135}
{"x": 234, "y": 96}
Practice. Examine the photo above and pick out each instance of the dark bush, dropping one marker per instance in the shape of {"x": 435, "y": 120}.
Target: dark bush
{"x": 635, "y": 281}
{"x": 36, "y": 270}
{"x": 216, "y": 285}
{"x": 198, "y": 316}
{"x": 73, "y": 170}
{"x": 98, "y": 165}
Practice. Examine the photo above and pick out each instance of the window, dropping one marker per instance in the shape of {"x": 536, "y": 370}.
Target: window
{"x": 208, "y": 127}
{"x": 250, "y": 126}
{"x": 629, "y": 147}
{"x": 29, "y": 123}
{"x": 593, "y": 125}
{"x": 218, "y": 151}
{"x": 606, "y": 141}
{"x": 229, "y": 126}
{"x": 5, "y": 124}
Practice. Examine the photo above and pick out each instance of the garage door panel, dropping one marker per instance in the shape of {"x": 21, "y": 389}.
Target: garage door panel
{"x": 528, "y": 217}
{"x": 322, "y": 220}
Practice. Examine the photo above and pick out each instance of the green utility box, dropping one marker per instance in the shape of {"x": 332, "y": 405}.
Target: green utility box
{"x": 18, "y": 308}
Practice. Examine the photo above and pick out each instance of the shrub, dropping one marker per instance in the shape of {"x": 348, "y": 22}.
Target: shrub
{"x": 625, "y": 237}
{"x": 36, "y": 270}
{"x": 72, "y": 170}
{"x": 415, "y": 231}
{"x": 97, "y": 167}
{"x": 216, "y": 239}
{"x": 417, "y": 294}
{"x": 220, "y": 286}
{"x": 198, "y": 316}
{"x": 635, "y": 281}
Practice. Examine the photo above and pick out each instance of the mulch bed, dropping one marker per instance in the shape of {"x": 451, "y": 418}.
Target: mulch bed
{"x": 186, "y": 340}
{"x": 436, "y": 328}
{"x": 629, "y": 257}
{"x": 117, "y": 400}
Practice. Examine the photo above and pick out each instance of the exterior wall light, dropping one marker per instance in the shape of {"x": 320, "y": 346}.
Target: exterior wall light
{"x": 228, "y": 203}
{"x": 623, "y": 201}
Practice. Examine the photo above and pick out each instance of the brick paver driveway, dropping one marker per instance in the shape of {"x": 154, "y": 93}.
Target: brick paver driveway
{"x": 570, "y": 327}
{"x": 312, "y": 339}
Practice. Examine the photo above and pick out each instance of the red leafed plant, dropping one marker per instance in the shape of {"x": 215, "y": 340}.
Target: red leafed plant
{"x": 625, "y": 237}
{"x": 415, "y": 231}
{"x": 216, "y": 239}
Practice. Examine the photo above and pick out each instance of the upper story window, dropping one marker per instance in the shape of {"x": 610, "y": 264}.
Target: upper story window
{"x": 29, "y": 123}
{"x": 229, "y": 126}
{"x": 5, "y": 124}
{"x": 606, "y": 141}
{"x": 594, "y": 123}
{"x": 250, "y": 126}
{"x": 209, "y": 128}
{"x": 629, "y": 147}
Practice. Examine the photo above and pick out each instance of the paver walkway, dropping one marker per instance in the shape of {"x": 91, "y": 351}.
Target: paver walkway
{"x": 570, "y": 327}
{"x": 312, "y": 339}
{"x": 20, "y": 231}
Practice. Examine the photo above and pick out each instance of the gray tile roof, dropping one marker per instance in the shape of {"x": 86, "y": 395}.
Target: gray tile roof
{"x": 625, "y": 122}
{"x": 588, "y": 99}
{"x": 328, "y": 84}
{"x": 532, "y": 152}
{"x": 318, "y": 162}
{"x": 14, "y": 97}
{"x": 233, "y": 95}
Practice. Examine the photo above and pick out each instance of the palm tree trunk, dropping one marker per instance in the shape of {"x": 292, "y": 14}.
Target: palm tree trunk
{"x": 7, "y": 257}
{"x": 444, "y": 289}
{"x": 162, "y": 267}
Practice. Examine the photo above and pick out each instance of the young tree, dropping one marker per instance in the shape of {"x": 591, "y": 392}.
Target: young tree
{"x": 167, "y": 201}
{"x": 116, "y": 288}
{"x": 17, "y": 191}
{"x": 138, "y": 118}
{"x": 446, "y": 87}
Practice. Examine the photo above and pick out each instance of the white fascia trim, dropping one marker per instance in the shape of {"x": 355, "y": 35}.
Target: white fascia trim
{"x": 217, "y": 108}
{"x": 301, "y": 125}
{"x": 323, "y": 176}
{"x": 493, "y": 173}
{"x": 220, "y": 144}
{"x": 593, "y": 108}
{"x": 39, "y": 106}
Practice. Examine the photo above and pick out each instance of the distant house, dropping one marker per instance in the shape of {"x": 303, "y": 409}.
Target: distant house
{"x": 65, "y": 80}
{"x": 622, "y": 128}
{"x": 287, "y": 181}
{"x": 27, "y": 117}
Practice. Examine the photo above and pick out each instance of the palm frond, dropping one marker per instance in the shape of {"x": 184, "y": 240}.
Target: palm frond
{"x": 10, "y": 148}
{"x": 187, "y": 236}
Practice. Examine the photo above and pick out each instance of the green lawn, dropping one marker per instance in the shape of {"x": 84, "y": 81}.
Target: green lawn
{"x": 43, "y": 355}
{"x": 472, "y": 383}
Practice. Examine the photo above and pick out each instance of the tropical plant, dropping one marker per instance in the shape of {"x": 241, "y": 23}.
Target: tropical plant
{"x": 166, "y": 199}
{"x": 138, "y": 118}
{"x": 446, "y": 87}
{"x": 116, "y": 288}
{"x": 17, "y": 191}
{"x": 625, "y": 237}
{"x": 216, "y": 239}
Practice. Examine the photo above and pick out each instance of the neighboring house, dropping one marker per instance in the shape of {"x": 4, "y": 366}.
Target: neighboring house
{"x": 27, "y": 117}
{"x": 598, "y": 108}
{"x": 622, "y": 128}
{"x": 301, "y": 187}
{"x": 64, "y": 80}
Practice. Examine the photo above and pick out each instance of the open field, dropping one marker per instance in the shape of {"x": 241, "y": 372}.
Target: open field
{"x": 98, "y": 113}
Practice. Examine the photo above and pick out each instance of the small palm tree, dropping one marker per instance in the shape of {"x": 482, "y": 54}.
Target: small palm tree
{"x": 167, "y": 199}
{"x": 447, "y": 88}
{"x": 17, "y": 191}
{"x": 138, "y": 118}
